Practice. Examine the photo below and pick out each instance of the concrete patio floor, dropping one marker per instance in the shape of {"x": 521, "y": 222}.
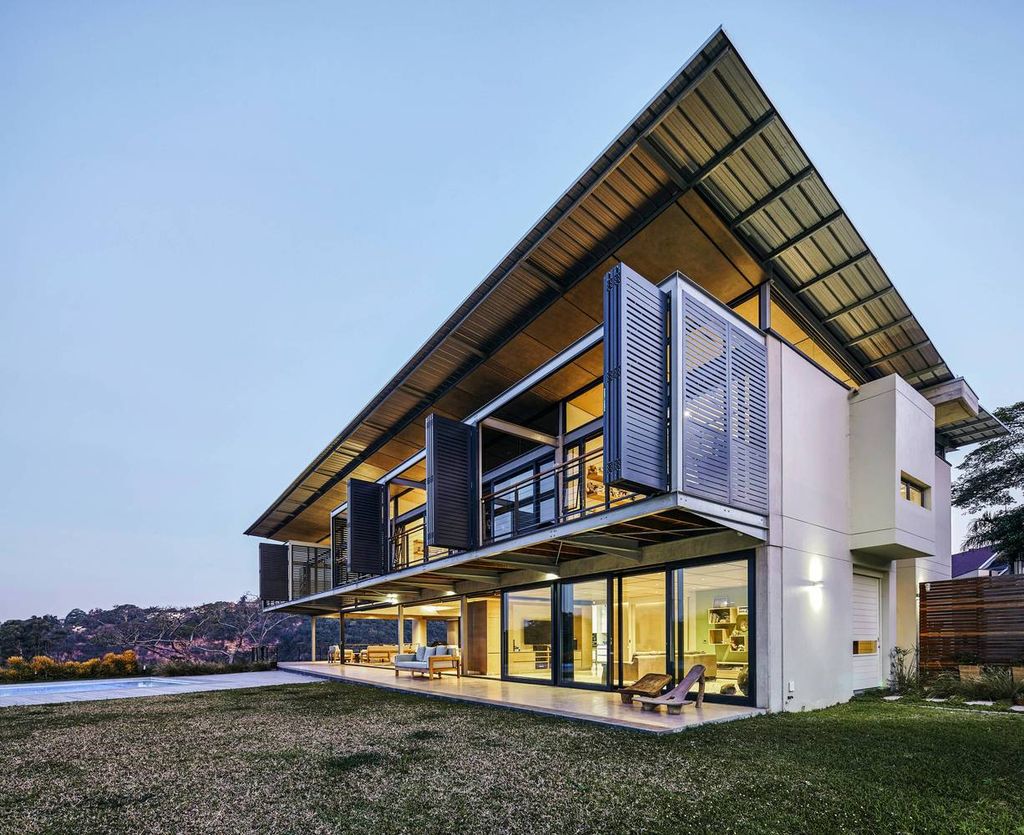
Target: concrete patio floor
{"x": 597, "y": 706}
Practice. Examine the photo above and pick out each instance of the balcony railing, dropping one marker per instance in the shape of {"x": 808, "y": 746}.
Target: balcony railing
{"x": 409, "y": 546}
{"x": 572, "y": 490}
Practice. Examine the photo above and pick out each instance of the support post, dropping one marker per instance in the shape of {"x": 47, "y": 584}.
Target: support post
{"x": 401, "y": 629}
{"x": 341, "y": 635}
{"x": 764, "y": 307}
{"x": 312, "y": 633}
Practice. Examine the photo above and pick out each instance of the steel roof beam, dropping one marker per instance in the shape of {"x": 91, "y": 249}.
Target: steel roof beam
{"x": 772, "y": 196}
{"x": 686, "y": 180}
{"x": 878, "y": 331}
{"x": 824, "y": 223}
{"x": 901, "y": 353}
{"x": 859, "y": 304}
{"x": 803, "y": 288}
{"x": 931, "y": 369}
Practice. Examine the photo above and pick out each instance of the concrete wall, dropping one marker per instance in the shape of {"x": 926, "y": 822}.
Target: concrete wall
{"x": 892, "y": 435}
{"x": 809, "y": 647}
{"x": 837, "y": 459}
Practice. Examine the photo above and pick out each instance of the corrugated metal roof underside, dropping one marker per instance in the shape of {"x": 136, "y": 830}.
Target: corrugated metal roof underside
{"x": 711, "y": 132}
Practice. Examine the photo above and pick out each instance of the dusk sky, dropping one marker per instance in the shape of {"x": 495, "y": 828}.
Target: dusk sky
{"x": 223, "y": 227}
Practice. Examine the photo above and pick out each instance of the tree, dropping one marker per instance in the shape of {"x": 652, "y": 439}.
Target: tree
{"x": 990, "y": 483}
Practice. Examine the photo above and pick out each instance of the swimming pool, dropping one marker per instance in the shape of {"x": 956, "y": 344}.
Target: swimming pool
{"x": 57, "y": 687}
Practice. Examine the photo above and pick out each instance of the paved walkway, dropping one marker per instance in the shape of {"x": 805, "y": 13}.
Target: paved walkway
{"x": 588, "y": 705}
{"x": 130, "y": 688}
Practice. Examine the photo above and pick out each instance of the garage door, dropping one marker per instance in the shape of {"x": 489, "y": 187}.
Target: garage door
{"x": 867, "y": 666}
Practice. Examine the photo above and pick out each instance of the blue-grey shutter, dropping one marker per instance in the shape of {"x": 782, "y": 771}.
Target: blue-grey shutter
{"x": 725, "y": 410}
{"x": 748, "y": 422}
{"x": 705, "y": 401}
{"x": 453, "y": 499}
{"x": 635, "y": 382}
{"x": 367, "y": 527}
{"x": 273, "y": 572}
{"x": 339, "y": 559}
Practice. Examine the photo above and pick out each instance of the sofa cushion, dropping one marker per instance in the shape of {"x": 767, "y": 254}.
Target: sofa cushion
{"x": 421, "y": 653}
{"x": 411, "y": 665}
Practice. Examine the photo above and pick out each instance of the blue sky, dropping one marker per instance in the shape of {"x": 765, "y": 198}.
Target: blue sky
{"x": 224, "y": 226}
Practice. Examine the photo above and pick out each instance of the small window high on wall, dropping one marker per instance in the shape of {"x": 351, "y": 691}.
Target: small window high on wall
{"x": 914, "y": 491}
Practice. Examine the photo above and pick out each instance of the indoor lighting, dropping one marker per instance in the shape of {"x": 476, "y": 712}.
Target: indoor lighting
{"x": 550, "y": 576}
{"x": 449, "y": 593}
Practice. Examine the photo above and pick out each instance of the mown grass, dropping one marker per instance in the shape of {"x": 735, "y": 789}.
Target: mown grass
{"x": 333, "y": 757}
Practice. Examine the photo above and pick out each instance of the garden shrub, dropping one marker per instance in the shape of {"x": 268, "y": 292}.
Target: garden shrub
{"x": 44, "y": 668}
{"x": 203, "y": 668}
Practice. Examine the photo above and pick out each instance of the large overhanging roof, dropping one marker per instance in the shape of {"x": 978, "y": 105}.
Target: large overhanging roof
{"x": 710, "y": 132}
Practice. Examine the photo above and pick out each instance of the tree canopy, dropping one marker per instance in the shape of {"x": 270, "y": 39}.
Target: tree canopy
{"x": 990, "y": 482}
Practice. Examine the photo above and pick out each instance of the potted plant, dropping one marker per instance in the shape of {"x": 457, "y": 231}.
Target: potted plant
{"x": 969, "y": 666}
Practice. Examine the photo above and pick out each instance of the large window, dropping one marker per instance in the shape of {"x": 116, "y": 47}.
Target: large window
{"x": 481, "y": 654}
{"x": 529, "y": 634}
{"x": 713, "y": 611}
{"x": 642, "y": 647}
{"x": 583, "y": 637}
{"x": 521, "y": 500}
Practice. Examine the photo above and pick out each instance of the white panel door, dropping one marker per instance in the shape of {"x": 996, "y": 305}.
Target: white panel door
{"x": 867, "y": 664}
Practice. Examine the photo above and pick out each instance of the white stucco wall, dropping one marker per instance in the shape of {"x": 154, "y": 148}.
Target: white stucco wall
{"x": 836, "y": 461}
{"x": 810, "y": 528}
{"x": 892, "y": 434}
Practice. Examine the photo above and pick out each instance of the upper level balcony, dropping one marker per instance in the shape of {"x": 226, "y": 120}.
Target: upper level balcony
{"x": 671, "y": 412}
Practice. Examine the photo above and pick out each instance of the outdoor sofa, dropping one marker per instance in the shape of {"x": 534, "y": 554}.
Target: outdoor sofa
{"x": 428, "y": 660}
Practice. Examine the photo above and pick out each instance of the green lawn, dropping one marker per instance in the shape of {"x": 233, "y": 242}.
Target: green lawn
{"x": 343, "y": 758}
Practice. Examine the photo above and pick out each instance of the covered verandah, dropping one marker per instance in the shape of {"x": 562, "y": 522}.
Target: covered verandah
{"x": 602, "y": 707}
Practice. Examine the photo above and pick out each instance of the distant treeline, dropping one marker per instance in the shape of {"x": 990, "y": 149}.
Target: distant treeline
{"x": 220, "y": 632}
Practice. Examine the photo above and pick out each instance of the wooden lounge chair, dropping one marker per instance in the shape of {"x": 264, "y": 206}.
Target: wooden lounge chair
{"x": 649, "y": 685}
{"x": 675, "y": 699}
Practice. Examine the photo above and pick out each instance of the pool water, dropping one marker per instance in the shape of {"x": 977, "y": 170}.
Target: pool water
{"x": 57, "y": 687}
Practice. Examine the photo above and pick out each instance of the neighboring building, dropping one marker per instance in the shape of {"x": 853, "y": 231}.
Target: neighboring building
{"x": 687, "y": 418}
{"x": 978, "y": 562}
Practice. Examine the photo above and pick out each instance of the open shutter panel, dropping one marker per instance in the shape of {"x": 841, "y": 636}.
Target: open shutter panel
{"x": 748, "y": 422}
{"x": 453, "y": 498}
{"x": 705, "y": 402}
{"x": 367, "y": 527}
{"x": 725, "y": 410}
{"x": 339, "y": 557}
{"x": 635, "y": 382}
{"x": 273, "y": 572}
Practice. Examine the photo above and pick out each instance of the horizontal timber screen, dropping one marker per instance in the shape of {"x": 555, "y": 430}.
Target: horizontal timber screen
{"x": 978, "y": 616}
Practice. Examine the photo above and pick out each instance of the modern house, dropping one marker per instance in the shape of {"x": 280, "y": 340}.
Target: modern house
{"x": 686, "y": 419}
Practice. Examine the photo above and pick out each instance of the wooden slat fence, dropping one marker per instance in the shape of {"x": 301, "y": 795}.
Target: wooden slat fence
{"x": 978, "y": 615}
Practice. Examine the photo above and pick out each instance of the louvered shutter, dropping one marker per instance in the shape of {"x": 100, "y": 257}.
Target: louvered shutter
{"x": 338, "y": 550}
{"x": 635, "y": 382}
{"x": 453, "y": 498}
{"x": 367, "y": 527}
{"x": 273, "y": 572}
{"x": 725, "y": 410}
{"x": 748, "y": 422}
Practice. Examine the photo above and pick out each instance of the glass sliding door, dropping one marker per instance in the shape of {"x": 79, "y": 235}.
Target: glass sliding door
{"x": 584, "y": 633}
{"x": 714, "y": 625}
{"x": 528, "y": 634}
{"x": 642, "y": 627}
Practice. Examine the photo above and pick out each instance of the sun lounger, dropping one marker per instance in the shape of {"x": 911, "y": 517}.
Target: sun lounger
{"x": 675, "y": 699}
{"x": 649, "y": 685}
